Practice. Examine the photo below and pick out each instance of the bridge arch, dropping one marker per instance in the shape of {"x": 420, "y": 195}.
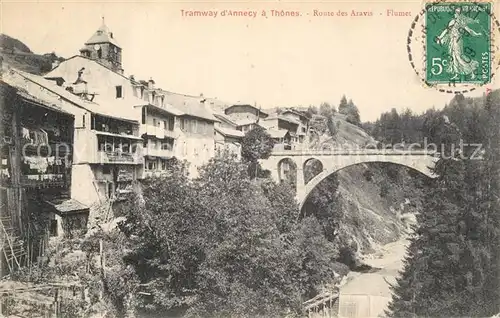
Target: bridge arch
{"x": 286, "y": 167}
{"x": 314, "y": 165}
{"x": 422, "y": 164}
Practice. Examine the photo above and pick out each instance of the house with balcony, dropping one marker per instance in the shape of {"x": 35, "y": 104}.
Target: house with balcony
{"x": 302, "y": 119}
{"x": 159, "y": 129}
{"x": 194, "y": 128}
{"x": 37, "y": 156}
{"x": 278, "y": 122}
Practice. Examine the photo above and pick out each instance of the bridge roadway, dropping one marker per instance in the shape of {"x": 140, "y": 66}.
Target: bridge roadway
{"x": 335, "y": 160}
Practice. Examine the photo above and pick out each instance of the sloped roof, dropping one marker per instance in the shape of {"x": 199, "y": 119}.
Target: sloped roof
{"x": 102, "y": 35}
{"x": 66, "y": 205}
{"x": 277, "y": 133}
{"x": 167, "y": 108}
{"x": 296, "y": 112}
{"x": 276, "y": 116}
{"x": 246, "y": 105}
{"x": 189, "y": 105}
{"x": 225, "y": 119}
{"x": 100, "y": 75}
{"x": 16, "y": 78}
{"x": 104, "y": 108}
{"x": 230, "y": 132}
{"x": 245, "y": 121}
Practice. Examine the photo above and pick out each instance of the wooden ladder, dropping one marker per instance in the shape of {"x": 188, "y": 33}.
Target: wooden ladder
{"x": 12, "y": 247}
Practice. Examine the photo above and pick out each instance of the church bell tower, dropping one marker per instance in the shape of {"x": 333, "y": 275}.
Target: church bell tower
{"x": 104, "y": 48}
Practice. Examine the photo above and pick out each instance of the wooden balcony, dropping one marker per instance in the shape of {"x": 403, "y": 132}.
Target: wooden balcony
{"x": 119, "y": 158}
{"x": 161, "y": 153}
{"x": 45, "y": 181}
{"x": 158, "y": 132}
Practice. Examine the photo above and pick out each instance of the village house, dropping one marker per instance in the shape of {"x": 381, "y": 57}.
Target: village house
{"x": 171, "y": 124}
{"x": 303, "y": 121}
{"x": 246, "y": 116}
{"x": 38, "y": 153}
{"x": 277, "y": 121}
{"x": 195, "y": 130}
{"x": 227, "y": 137}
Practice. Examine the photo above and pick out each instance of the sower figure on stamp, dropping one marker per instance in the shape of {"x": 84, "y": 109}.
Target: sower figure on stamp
{"x": 452, "y": 37}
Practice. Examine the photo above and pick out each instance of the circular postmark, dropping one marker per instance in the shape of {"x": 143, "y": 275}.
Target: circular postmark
{"x": 451, "y": 45}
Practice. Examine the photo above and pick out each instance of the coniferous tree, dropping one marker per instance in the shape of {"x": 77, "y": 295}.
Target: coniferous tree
{"x": 452, "y": 267}
{"x": 343, "y": 105}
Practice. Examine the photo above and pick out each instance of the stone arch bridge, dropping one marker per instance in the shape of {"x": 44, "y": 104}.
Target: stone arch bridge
{"x": 333, "y": 161}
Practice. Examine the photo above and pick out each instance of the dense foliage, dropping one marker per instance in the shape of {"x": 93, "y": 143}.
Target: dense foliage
{"x": 223, "y": 245}
{"x": 346, "y": 108}
{"x": 467, "y": 115}
{"x": 452, "y": 268}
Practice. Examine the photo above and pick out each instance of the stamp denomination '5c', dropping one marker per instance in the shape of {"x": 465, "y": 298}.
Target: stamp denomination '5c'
{"x": 458, "y": 43}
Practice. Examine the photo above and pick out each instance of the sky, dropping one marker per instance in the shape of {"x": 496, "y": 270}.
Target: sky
{"x": 273, "y": 61}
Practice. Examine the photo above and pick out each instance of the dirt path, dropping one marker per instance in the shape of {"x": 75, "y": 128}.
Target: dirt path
{"x": 368, "y": 294}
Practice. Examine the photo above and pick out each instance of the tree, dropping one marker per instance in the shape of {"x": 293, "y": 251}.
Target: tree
{"x": 353, "y": 114}
{"x": 257, "y": 144}
{"x": 312, "y": 110}
{"x": 452, "y": 267}
{"x": 326, "y": 110}
{"x": 343, "y": 107}
{"x": 222, "y": 245}
{"x": 350, "y": 110}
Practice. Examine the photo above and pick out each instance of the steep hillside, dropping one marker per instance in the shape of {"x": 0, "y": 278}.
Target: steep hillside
{"x": 376, "y": 198}
{"x": 16, "y": 54}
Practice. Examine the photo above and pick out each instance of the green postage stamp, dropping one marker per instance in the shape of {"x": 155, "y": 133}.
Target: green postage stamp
{"x": 458, "y": 43}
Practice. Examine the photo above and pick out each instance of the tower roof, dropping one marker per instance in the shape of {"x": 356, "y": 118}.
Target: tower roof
{"x": 102, "y": 35}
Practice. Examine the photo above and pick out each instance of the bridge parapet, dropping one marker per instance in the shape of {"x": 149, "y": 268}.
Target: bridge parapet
{"x": 340, "y": 152}
{"x": 334, "y": 160}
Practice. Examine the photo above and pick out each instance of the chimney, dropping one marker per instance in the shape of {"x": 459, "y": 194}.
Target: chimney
{"x": 132, "y": 78}
{"x": 151, "y": 83}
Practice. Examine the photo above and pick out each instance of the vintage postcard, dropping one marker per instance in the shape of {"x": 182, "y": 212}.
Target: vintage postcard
{"x": 250, "y": 158}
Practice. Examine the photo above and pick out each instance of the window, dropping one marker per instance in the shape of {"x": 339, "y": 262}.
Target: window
{"x": 119, "y": 93}
{"x": 165, "y": 124}
{"x": 83, "y": 121}
{"x": 151, "y": 165}
{"x": 106, "y": 169}
{"x": 171, "y": 123}
{"x": 126, "y": 147}
{"x": 183, "y": 124}
{"x": 193, "y": 125}
{"x": 164, "y": 165}
{"x": 144, "y": 114}
{"x": 166, "y": 146}
{"x": 201, "y": 127}
{"x": 99, "y": 53}
{"x": 154, "y": 122}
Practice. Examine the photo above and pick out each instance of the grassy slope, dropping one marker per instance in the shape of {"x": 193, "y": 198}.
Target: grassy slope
{"x": 16, "y": 54}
